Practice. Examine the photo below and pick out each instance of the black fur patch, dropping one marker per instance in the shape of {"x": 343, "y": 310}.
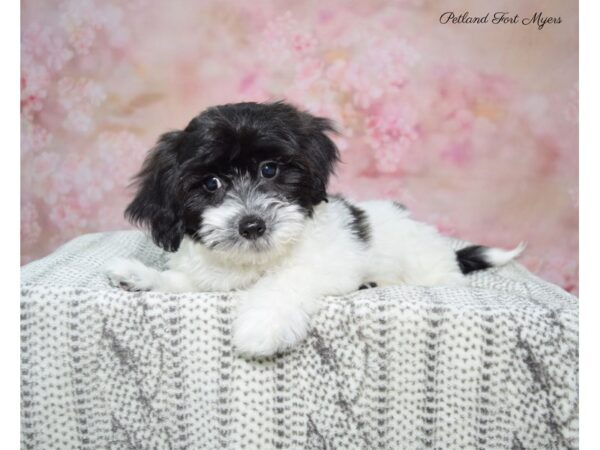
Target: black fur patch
{"x": 360, "y": 222}
{"x": 472, "y": 258}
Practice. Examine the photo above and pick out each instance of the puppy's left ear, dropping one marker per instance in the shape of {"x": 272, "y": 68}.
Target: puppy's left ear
{"x": 322, "y": 155}
{"x": 156, "y": 205}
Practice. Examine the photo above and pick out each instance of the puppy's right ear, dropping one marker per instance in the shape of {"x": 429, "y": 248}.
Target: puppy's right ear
{"x": 155, "y": 205}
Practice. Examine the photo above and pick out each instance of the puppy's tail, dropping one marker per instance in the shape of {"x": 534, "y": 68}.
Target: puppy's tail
{"x": 478, "y": 257}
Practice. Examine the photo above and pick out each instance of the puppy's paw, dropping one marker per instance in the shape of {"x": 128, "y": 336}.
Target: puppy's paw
{"x": 263, "y": 331}
{"x": 130, "y": 275}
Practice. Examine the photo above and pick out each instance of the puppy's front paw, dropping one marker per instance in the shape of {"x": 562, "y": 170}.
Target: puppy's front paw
{"x": 129, "y": 275}
{"x": 263, "y": 331}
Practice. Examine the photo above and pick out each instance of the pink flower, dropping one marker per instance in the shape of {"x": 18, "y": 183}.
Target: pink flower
{"x": 377, "y": 67}
{"x": 30, "y": 226}
{"x": 78, "y": 121}
{"x": 391, "y": 134}
{"x": 66, "y": 216}
{"x": 43, "y": 164}
{"x": 46, "y": 47}
{"x": 35, "y": 80}
{"x": 284, "y": 40}
{"x": 124, "y": 147}
{"x": 79, "y": 97}
{"x": 80, "y": 91}
{"x": 34, "y": 138}
{"x": 78, "y": 20}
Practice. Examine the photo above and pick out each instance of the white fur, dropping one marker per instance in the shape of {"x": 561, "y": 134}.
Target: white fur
{"x": 280, "y": 288}
{"x": 499, "y": 257}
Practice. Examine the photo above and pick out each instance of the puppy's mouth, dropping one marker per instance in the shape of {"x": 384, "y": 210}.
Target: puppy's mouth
{"x": 250, "y": 222}
{"x": 253, "y": 234}
{"x": 249, "y": 234}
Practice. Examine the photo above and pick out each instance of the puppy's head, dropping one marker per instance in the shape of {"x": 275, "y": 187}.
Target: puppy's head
{"x": 242, "y": 179}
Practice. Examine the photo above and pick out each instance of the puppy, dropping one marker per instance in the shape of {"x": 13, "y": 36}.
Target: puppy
{"x": 239, "y": 197}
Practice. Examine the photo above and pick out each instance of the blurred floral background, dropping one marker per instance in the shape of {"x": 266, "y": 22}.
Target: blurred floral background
{"x": 473, "y": 127}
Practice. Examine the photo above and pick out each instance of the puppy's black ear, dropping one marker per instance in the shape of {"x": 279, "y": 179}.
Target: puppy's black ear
{"x": 322, "y": 155}
{"x": 155, "y": 205}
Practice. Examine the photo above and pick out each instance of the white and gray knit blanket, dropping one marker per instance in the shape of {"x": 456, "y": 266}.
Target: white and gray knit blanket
{"x": 494, "y": 365}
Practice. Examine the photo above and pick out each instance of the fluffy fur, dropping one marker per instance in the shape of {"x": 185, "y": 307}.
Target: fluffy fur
{"x": 239, "y": 197}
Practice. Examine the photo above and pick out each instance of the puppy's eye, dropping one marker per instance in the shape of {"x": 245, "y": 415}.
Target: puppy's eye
{"x": 212, "y": 184}
{"x": 268, "y": 169}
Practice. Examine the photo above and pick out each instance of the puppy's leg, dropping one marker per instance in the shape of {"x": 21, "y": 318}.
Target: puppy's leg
{"x": 133, "y": 275}
{"x": 274, "y": 314}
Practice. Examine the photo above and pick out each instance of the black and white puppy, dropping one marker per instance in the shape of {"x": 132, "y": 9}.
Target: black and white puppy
{"x": 240, "y": 197}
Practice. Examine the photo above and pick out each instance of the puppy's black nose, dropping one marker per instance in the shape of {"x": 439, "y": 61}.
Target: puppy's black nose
{"x": 252, "y": 227}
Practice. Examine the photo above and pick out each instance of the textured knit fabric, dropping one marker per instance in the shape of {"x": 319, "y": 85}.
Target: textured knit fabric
{"x": 493, "y": 365}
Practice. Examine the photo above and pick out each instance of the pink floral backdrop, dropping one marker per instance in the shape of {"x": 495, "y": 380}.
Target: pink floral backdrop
{"x": 473, "y": 127}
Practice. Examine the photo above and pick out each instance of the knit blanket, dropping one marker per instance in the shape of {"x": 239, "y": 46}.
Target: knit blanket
{"x": 492, "y": 365}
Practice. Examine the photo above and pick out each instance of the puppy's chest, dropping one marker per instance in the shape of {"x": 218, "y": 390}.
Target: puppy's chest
{"x": 229, "y": 278}
{"x": 207, "y": 276}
